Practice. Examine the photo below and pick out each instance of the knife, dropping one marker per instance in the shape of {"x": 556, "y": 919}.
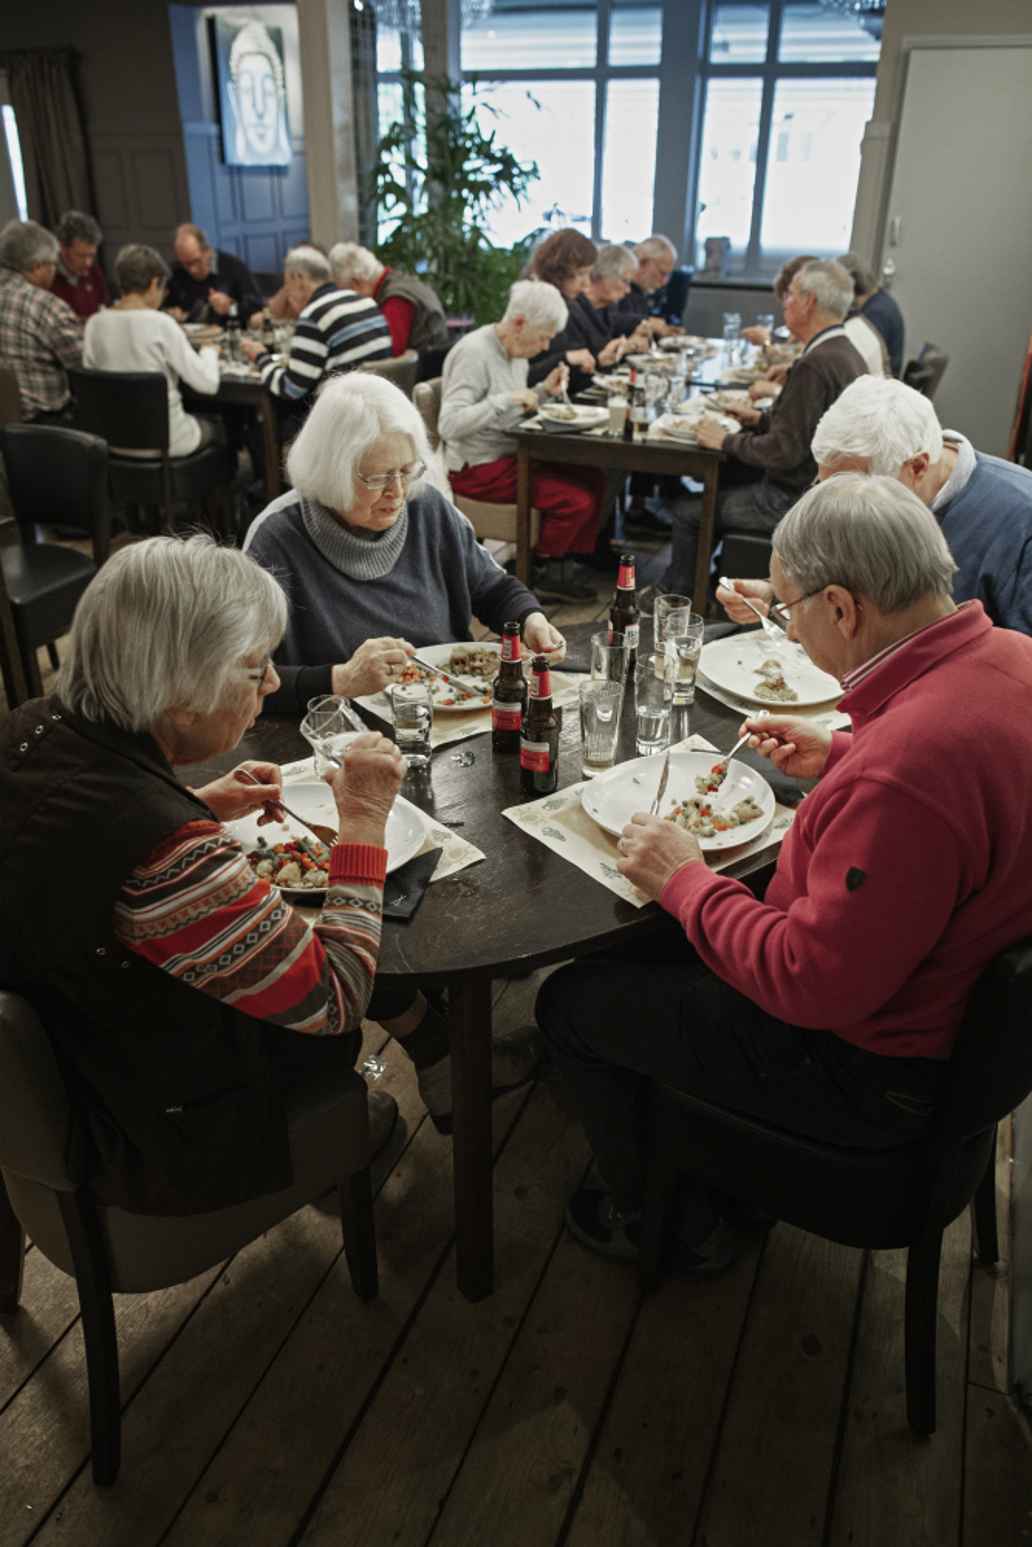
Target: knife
{"x": 661, "y": 791}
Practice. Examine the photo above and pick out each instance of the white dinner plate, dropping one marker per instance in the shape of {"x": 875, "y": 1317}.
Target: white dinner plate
{"x": 406, "y": 829}
{"x": 684, "y": 427}
{"x": 652, "y": 362}
{"x": 614, "y": 798}
{"x": 731, "y": 663}
{"x": 585, "y": 418}
{"x": 441, "y": 693}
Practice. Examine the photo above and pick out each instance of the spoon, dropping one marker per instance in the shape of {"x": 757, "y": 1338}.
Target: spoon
{"x": 326, "y": 835}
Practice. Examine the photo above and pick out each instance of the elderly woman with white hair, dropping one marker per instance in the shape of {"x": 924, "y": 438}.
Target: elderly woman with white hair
{"x": 829, "y": 1007}
{"x": 183, "y": 994}
{"x": 983, "y": 504}
{"x": 375, "y": 561}
{"x": 484, "y": 396}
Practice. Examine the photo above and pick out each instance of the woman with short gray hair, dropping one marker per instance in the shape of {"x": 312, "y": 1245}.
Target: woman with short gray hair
{"x": 597, "y": 322}
{"x": 375, "y": 562}
{"x": 136, "y": 335}
{"x": 184, "y": 992}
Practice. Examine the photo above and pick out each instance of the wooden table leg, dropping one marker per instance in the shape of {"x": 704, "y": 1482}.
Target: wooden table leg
{"x": 270, "y": 443}
{"x": 710, "y": 480}
{"x": 469, "y": 1026}
{"x": 523, "y": 516}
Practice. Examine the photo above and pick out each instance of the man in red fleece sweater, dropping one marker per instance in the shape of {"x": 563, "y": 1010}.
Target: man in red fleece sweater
{"x": 831, "y": 1006}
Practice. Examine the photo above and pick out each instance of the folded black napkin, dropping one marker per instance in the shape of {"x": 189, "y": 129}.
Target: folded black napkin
{"x": 404, "y": 889}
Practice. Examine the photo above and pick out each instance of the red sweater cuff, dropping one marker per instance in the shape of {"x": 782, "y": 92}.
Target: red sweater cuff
{"x": 684, "y": 885}
{"x": 358, "y": 862}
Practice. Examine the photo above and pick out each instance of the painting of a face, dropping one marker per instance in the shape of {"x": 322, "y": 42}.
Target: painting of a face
{"x": 256, "y": 101}
{"x": 252, "y": 90}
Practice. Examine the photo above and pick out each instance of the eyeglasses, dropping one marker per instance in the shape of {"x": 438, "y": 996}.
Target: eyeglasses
{"x": 779, "y": 611}
{"x": 260, "y": 673}
{"x": 403, "y": 474}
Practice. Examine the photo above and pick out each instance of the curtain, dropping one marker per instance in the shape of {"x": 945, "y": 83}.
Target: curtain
{"x": 52, "y": 131}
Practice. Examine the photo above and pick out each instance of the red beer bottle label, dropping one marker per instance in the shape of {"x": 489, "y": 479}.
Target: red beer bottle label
{"x": 625, "y": 578}
{"x": 506, "y": 717}
{"x": 535, "y": 755}
{"x": 510, "y": 647}
{"x": 541, "y": 684}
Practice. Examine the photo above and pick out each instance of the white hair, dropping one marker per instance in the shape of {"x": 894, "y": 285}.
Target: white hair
{"x": 829, "y": 284}
{"x": 539, "y": 302}
{"x": 881, "y": 420}
{"x": 350, "y": 415}
{"x": 350, "y": 261}
{"x": 870, "y": 535}
{"x": 309, "y": 262}
{"x": 167, "y": 624}
{"x": 614, "y": 262}
{"x": 657, "y": 246}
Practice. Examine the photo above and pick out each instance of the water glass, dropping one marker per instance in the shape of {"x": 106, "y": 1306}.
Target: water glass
{"x": 329, "y": 718}
{"x": 732, "y": 328}
{"x": 682, "y": 659}
{"x": 609, "y": 661}
{"x": 670, "y": 613}
{"x": 653, "y": 691}
{"x": 600, "y": 704}
{"x": 413, "y": 709}
{"x": 765, "y": 320}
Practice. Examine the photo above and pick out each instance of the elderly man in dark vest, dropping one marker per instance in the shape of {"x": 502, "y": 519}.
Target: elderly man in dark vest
{"x": 413, "y": 311}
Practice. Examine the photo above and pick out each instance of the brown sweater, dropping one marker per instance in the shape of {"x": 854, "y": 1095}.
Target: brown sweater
{"x": 780, "y": 443}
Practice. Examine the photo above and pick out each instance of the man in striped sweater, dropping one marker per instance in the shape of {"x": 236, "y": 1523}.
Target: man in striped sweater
{"x": 335, "y": 331}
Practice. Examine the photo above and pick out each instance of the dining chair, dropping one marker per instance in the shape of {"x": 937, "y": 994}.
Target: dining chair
{"x": 402, "y": 370}
{"x": 903, "y": 1196}
{"x": 129, "y": 410}
{"x": 10, "y": 397}
{"x": 45, "y": 1192}
{"x": 54, "y": 477}
{"x": 490, "y": 521}
{"x": 926, "y": 372}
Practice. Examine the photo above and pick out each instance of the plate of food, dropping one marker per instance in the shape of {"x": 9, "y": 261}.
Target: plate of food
{"x": 571, "y": 416}
{"x": 615, "y": 382}
{"x": 652, "y": 362}
{"x": 784, "y": 678}
{"x": 741, "y": 375}
{"x": 722, "y": 804}
{"x": 293, "y": 859}
{"x": 684, "y": 426}
{"x": 731, "y": 397}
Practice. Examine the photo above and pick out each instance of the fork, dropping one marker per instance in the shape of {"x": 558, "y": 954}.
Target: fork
{"x": 770, "y": 629}
{"x": 661, "y": 790}
{"x": 326, "y": 835}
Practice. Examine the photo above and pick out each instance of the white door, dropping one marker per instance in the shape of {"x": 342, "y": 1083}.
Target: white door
{"x": 961, "y": 216}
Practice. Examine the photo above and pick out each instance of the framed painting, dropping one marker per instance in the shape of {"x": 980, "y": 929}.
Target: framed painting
{"x": 252, "y": 87}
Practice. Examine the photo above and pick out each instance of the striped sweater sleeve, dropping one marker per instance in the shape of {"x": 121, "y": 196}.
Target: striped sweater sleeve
{"x": 196, "y": 909}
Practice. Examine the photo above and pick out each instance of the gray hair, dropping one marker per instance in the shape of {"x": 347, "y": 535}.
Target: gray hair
{"x": 164, "y": 625}
{"x": 135, "y": 267}
{"x": 830, "y": 286}
{"x": 870, "y": 535}
{"x": 350, "y": 415}
{"x": 614, "y": 262}
{"x": 863, "y": 276}
{"x": 24, "y": 244}
{"x": 657, "y": 246}
{"x": 350, "y": 261}
{"x": 309, "y": 262}
{"x": 74, "y": 226}
{"x": 881, "y": 420}
{"x": 539, "y": 302}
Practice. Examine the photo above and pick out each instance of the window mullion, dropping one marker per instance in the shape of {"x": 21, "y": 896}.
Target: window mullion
{"x": 601, "y": 95}
{"x": 752, "y": 254}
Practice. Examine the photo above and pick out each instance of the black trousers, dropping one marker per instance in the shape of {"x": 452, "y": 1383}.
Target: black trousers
{"x": 614, "y": 1023}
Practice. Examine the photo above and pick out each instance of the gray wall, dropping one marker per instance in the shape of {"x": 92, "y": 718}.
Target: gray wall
{"x": 132, "y": 110}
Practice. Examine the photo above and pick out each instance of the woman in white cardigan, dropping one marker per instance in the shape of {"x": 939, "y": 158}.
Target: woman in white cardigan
{"x": 134, "y": 335}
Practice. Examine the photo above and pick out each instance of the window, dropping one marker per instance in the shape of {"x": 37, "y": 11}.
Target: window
{"x": 553, "y": 123}
{"x": 629, "y": 159}
{"x": 789, "y": 87}
{"x": 528, "y": 39}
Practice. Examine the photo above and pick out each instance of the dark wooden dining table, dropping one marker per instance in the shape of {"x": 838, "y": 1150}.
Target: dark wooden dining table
{"x": 248, "y": 392}
{"x": 521, "y": 908}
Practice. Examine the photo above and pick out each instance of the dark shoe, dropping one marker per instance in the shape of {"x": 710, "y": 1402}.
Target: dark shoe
{"x": 514, "y": 1061}
{"x": 593, "y": 1219}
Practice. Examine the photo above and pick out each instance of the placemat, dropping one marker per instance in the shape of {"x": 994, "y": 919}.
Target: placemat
{"x": 561, "y": 823}
{"x": 451, "y": 727}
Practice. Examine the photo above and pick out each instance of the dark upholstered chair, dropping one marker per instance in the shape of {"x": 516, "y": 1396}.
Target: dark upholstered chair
{"x": 905, "y": 1196}
{"x": 129, "y": 409}
{"x": 745, "y": 555}
{"x": 402, "y": 370}
{"x": 54, "y": 476}
{"x": 926, "y": 372}
{"x": 10, "y": 398}
{"x": 107, "y": 1249}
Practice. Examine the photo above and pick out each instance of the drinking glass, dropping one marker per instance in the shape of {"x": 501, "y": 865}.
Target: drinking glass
{"x": 412, "y": 706}
{"x": 600, "y": 703}
{"x": 682, "y": 658}
{"x": 732, "y": 328}
{"x": 609, "y": 661}
{"x": 669, "y": 607}
{"x": 329, "y": 719}
{"x": 765, "y": 320}
{"x": 653, "y": 691}
{"x": 617, "y": 415}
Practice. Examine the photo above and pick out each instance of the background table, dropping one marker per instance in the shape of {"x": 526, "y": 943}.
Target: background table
{"x": 245, "y": 392}
{"x": 521, "y": 908}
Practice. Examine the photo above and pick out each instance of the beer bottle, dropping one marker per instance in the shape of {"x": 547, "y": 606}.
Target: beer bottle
{"x": 268, "y": 333}
{"x": 233, "y": 351}
{"x": 508, "y": 694}
{"x": 623, "y": 614}
{"x": 639, "y": 412}
{"x": 628, "y": 424}
{"x": 539, "y": 739}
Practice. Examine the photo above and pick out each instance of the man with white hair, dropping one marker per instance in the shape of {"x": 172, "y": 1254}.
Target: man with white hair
{"x": 336, "y": 330}
{"x": 770, "y": 463}
{"x": 983, "y": 504}
{"x": 40, "y": 335}
{"x": 830, "y": 1007}
{"x": 484, "y": 395}
{"x": 656, "y": 260}
{"x": 413, "y": 311}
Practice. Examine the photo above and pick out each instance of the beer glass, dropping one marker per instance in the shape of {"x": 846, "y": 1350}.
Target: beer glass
{"x": 669, "y": 613}
{"x": 609, "y": 660}
{"x": 413, "y": 709}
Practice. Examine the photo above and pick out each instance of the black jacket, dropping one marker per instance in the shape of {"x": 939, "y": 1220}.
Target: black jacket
{"x": 230, "y": 275}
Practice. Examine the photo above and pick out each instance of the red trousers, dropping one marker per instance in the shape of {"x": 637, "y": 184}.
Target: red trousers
{"x": 569, "y": 499}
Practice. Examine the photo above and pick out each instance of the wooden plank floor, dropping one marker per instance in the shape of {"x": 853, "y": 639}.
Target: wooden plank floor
{"x": 265, "y": 1405}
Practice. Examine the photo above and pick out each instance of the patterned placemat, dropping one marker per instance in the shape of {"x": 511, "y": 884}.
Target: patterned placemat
{"x": 561, "y": 823}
